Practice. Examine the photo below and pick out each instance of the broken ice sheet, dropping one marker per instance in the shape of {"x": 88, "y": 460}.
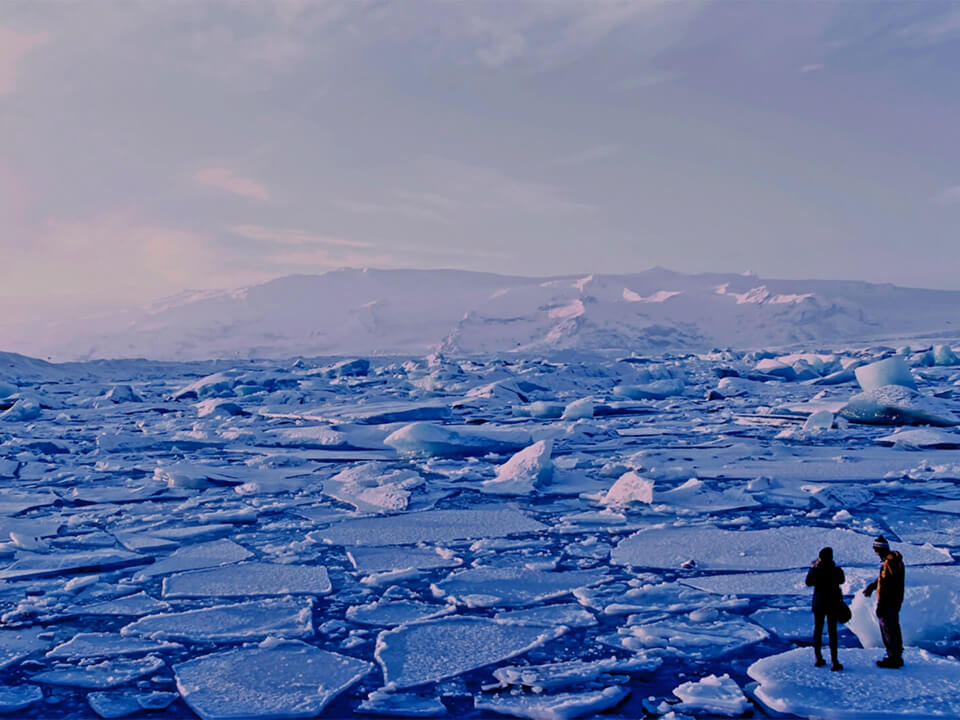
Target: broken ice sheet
{"x": 552, "y": 676}
{"x": 15, "y": 645}
{"x": 283, "y": 617}
{"x": 430, "y": 526}
{"x": 712, "y": 695}
{"x": 107, "y": 674}
{"x": 287, "y": 679}
{"x": 249, "y": 580}
{"x": 436, "y": 649}
{"x": 120, "y": 703}
{"x": 137, "y": 604}
{"x": 787, "y": 582}
{"x": 194, "y": 557}
{"x": 378, "y": 559}
{"x": 569, "y": 614}
{"x": 711, "y": 548}
{"x": 511, "y": 586}
{"x": 406, "y": 705}
{"x": 712, "y": 635}
{"x": 395, "y": 612}
{"x": 18, "y": 697}
{"x": 563, "y": 706}
{"x": 88, "y": 645}
{"x": 33, "y": 565}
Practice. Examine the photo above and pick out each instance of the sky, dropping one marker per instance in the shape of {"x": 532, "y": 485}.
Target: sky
{"x": 149, "y": 147}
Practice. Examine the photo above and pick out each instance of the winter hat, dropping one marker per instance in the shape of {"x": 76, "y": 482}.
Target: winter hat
{"x": 826, "y": 554}
{"x": 881, "y": 544}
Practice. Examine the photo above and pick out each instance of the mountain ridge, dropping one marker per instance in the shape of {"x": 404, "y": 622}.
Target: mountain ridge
{"x": 460, "y": 312}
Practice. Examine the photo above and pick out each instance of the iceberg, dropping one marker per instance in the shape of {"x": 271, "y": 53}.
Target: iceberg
{"x": 423, "y": 438}
{"x": 524, "y": 472}
{"x": 892, "y": 371}
{"x": 898, "y": 405}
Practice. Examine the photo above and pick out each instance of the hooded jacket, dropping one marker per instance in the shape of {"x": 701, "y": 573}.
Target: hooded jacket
{"x": 890, "y": 583}
{"x": 826, "y": 578}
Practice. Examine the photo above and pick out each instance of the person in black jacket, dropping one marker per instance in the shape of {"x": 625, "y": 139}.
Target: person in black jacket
{"x": 825, "y": 578}
{"x": 889, "y": 587}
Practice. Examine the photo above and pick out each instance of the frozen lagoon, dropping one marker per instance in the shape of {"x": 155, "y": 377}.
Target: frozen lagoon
{"x": 173, "y": 546}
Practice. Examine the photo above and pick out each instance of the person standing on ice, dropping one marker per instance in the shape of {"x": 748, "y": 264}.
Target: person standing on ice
{"x": 889, "y": 587}
{"x": 825, "y": 577}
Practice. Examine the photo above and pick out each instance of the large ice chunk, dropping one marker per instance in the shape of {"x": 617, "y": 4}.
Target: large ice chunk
{"x": 379, "y": 559}
{"x": 430, "y": 651}
{"x": 656, "y": 390}
{"x": 373, "y": 488}
{"x": 892, "y": 371}
{"x": 276, "y": 680}
{"x": 249, "y": 580}
{"x": 944, "y": 355}
{"x": 524, "y": 472}
{"x": 431, "y": 526}
{"x": 511, "y": 586}
{"x": 283, "y": 617}
{"x": 426, "y": 439}
{"x": 107, "y": 674}
{"x": 780, "y": 548}
{"x": 629, "y": 488}
{"x": 930, "y": 616}
{"x": 713, "y": 695}
{"x": 926, "y": 686}
{"x": 897, "y": 405}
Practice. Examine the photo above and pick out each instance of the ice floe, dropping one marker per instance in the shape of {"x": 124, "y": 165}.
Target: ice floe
{"x": 926, "y": 686}
{"x": 282, "y": 617}
{"x": 249, "y": 580}
{"x": 287, "y": 679}
{"x": 429, "y": 651}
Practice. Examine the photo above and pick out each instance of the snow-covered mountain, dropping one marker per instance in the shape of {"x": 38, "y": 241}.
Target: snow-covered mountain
{"x": 416, "y": 311}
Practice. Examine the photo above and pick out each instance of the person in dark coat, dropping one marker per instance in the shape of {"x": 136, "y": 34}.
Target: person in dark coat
{"x": 889, "y": 587}
{"x": 826, "y": 579}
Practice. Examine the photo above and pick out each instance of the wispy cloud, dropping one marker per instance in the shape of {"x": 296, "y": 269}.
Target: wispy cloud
{"x": 290, "y": 236}
{"x": 813, "y": 67}
{"x": 229, "y": 181}
{"x": 948, "y": 196}
{"x": 13, "y": 46}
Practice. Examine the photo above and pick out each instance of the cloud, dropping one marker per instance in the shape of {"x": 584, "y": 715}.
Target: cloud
{"x": 228, "y": 181}
{"x": 948, "y": 196}
{"x": 813, "y": 67}
{"x": 119, "y": 257}
{"x": 288, "y": 236}
{"x": 13, "y": 46}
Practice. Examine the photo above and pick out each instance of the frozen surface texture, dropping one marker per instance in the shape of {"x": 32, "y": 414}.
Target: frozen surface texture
{"x": 458, "y": 536}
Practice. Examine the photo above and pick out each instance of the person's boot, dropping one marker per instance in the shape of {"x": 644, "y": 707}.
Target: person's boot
{"x": 820, "y": 661}
{"x": 836, "y": 666}
{"x": 890, "y": 663}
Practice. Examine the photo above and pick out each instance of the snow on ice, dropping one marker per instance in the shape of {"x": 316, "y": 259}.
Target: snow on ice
{"x": 543, "y": 536}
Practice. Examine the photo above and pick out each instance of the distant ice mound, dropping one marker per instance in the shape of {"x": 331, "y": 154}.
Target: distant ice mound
{"x": 469, "y": 313}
